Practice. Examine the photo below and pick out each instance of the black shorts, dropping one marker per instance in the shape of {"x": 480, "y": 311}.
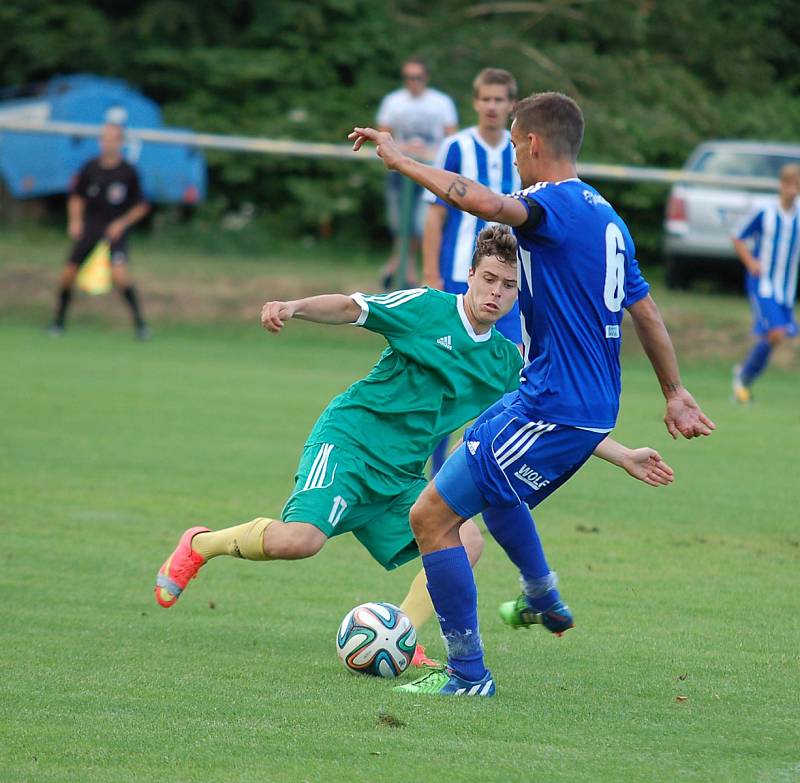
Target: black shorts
{"x": 84, "y": 246}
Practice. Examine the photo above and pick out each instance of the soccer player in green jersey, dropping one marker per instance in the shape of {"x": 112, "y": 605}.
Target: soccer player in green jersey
{"x": 362, "y": 466}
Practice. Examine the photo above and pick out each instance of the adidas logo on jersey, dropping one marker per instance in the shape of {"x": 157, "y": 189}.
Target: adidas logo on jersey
{"x": 473, "y": 445}
{"x": 445, "y": 342}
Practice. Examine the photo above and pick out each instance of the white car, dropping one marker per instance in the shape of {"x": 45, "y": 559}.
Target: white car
{"x": 700, "y": 218}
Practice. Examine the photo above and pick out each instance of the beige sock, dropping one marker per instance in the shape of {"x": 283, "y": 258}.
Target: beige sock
{"x": 245, "y": 541}
{"x": 417, "y": 604}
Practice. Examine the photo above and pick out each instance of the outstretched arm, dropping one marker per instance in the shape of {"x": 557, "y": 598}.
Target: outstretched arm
{"x": 644, "y": 464}
{"x": 683, "y": 414}
{"x": 464, "y": 194}
{"x": 325, "y": 309}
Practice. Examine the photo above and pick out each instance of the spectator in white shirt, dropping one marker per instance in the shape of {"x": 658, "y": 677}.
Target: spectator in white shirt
{"x": 418, "y": 117}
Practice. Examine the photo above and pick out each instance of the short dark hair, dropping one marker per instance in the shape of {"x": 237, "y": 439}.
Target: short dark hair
{"x": 495, "y": 76}
{"x": 555, "y": 117}
{"x": 495, "y": 241}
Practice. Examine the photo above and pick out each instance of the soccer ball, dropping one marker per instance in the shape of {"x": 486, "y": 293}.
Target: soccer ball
{"x": 377, "y": 639}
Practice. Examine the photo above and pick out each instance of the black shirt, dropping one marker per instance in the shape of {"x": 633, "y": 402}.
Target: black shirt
{"x": 109, "y": 193}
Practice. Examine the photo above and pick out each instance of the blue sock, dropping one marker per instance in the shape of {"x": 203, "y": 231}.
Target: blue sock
{"x": 455, "y": 598}
{"x": 515, "y": 531}
{"x": 756, "y": 362}
{"x": 439, "y": 455}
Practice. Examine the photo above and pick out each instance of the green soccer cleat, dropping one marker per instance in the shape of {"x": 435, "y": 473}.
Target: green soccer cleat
{"x": 443, "y": 681}
{"x": 518, "y": 614}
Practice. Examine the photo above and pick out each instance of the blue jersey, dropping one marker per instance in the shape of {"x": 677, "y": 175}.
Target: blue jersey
{"x": 776, "y": 245}
{"x": 466, "y": 153}
{"x": 577, "y": 270}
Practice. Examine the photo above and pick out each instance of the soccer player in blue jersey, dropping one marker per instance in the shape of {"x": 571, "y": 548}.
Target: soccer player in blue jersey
{"x": 577, "y": 271}
{"x": 771, "y": 282}
{"x": 482, "y": 152}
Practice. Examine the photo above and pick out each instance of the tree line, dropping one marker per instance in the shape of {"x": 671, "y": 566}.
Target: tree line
{"x": 653, "y": 78}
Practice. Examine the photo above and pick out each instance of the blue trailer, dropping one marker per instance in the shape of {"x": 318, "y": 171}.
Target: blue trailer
{"x": 39, "y": 164}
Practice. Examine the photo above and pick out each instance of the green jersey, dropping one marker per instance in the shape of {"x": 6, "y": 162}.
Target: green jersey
{"x": 435, "y": 375}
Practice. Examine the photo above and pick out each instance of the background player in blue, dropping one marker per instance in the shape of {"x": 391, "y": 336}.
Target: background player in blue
{"x": 484, "y": 153}
{"x": 577, "y": 270}
{"x": 771, "y": 275}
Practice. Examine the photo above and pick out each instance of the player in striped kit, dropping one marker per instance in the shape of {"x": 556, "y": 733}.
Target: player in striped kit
{"x": 771, "y": 276}
{"x": 483, "y": 153}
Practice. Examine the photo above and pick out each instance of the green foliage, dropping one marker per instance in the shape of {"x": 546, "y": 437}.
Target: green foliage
{"x": 654, "y": 78}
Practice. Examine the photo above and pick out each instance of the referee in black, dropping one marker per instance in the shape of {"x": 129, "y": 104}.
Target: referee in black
{"x": 105, "y": 201}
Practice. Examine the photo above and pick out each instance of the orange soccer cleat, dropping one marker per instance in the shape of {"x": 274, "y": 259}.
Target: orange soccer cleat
{"x": 421, "y": 659}
{"x": 180, "y": 567}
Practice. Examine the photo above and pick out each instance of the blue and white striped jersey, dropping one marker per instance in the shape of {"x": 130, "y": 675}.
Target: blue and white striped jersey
{"x": 776, "y": 245}
{"x": 466, "y": 153}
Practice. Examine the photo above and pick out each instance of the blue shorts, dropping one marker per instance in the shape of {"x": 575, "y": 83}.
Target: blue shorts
{"x": 509, "y": 325}
{"x": 454, "y": 483}
{"x": 508, "y": 458}
{"x": 769, "y": 315}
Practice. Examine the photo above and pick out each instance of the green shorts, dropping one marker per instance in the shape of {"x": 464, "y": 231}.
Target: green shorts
{"x": 339, "y": 493}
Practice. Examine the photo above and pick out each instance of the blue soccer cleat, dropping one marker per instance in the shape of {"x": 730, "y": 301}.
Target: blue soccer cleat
{"x": 443, "y": 681}
{"x": 518, "y": 614}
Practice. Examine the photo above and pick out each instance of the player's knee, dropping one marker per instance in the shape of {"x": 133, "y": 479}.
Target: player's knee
{"x": 293, "y": 541}
{"x": 68, "y": 275}
{"x": 776, "y": 336}
{"x": 119, "y": 277}
{"x": 429, "y": 529}
{"x": 419, "y": 518}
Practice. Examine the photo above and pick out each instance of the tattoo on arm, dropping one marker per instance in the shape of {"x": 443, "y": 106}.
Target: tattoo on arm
{"x": 671, "y": 387}
{"x": 458, "y": 188}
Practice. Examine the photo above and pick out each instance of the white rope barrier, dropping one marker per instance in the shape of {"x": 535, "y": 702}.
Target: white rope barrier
{"x": 212, "y": 141}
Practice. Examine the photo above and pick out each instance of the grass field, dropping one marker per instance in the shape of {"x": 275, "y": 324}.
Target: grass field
{"x": 685, "y": 664}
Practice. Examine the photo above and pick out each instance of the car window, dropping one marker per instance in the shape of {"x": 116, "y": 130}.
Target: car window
{"x": 741, "y": 164}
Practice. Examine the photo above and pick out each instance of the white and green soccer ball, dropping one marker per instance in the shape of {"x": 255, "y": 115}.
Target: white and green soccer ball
{"x": 377, "y": 639}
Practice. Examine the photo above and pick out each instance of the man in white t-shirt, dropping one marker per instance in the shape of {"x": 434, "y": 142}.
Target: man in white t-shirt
{"x": 418, "y": 117}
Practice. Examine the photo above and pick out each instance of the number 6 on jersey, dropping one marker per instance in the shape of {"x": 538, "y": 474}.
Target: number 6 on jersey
{"x": 614, "y": 291}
